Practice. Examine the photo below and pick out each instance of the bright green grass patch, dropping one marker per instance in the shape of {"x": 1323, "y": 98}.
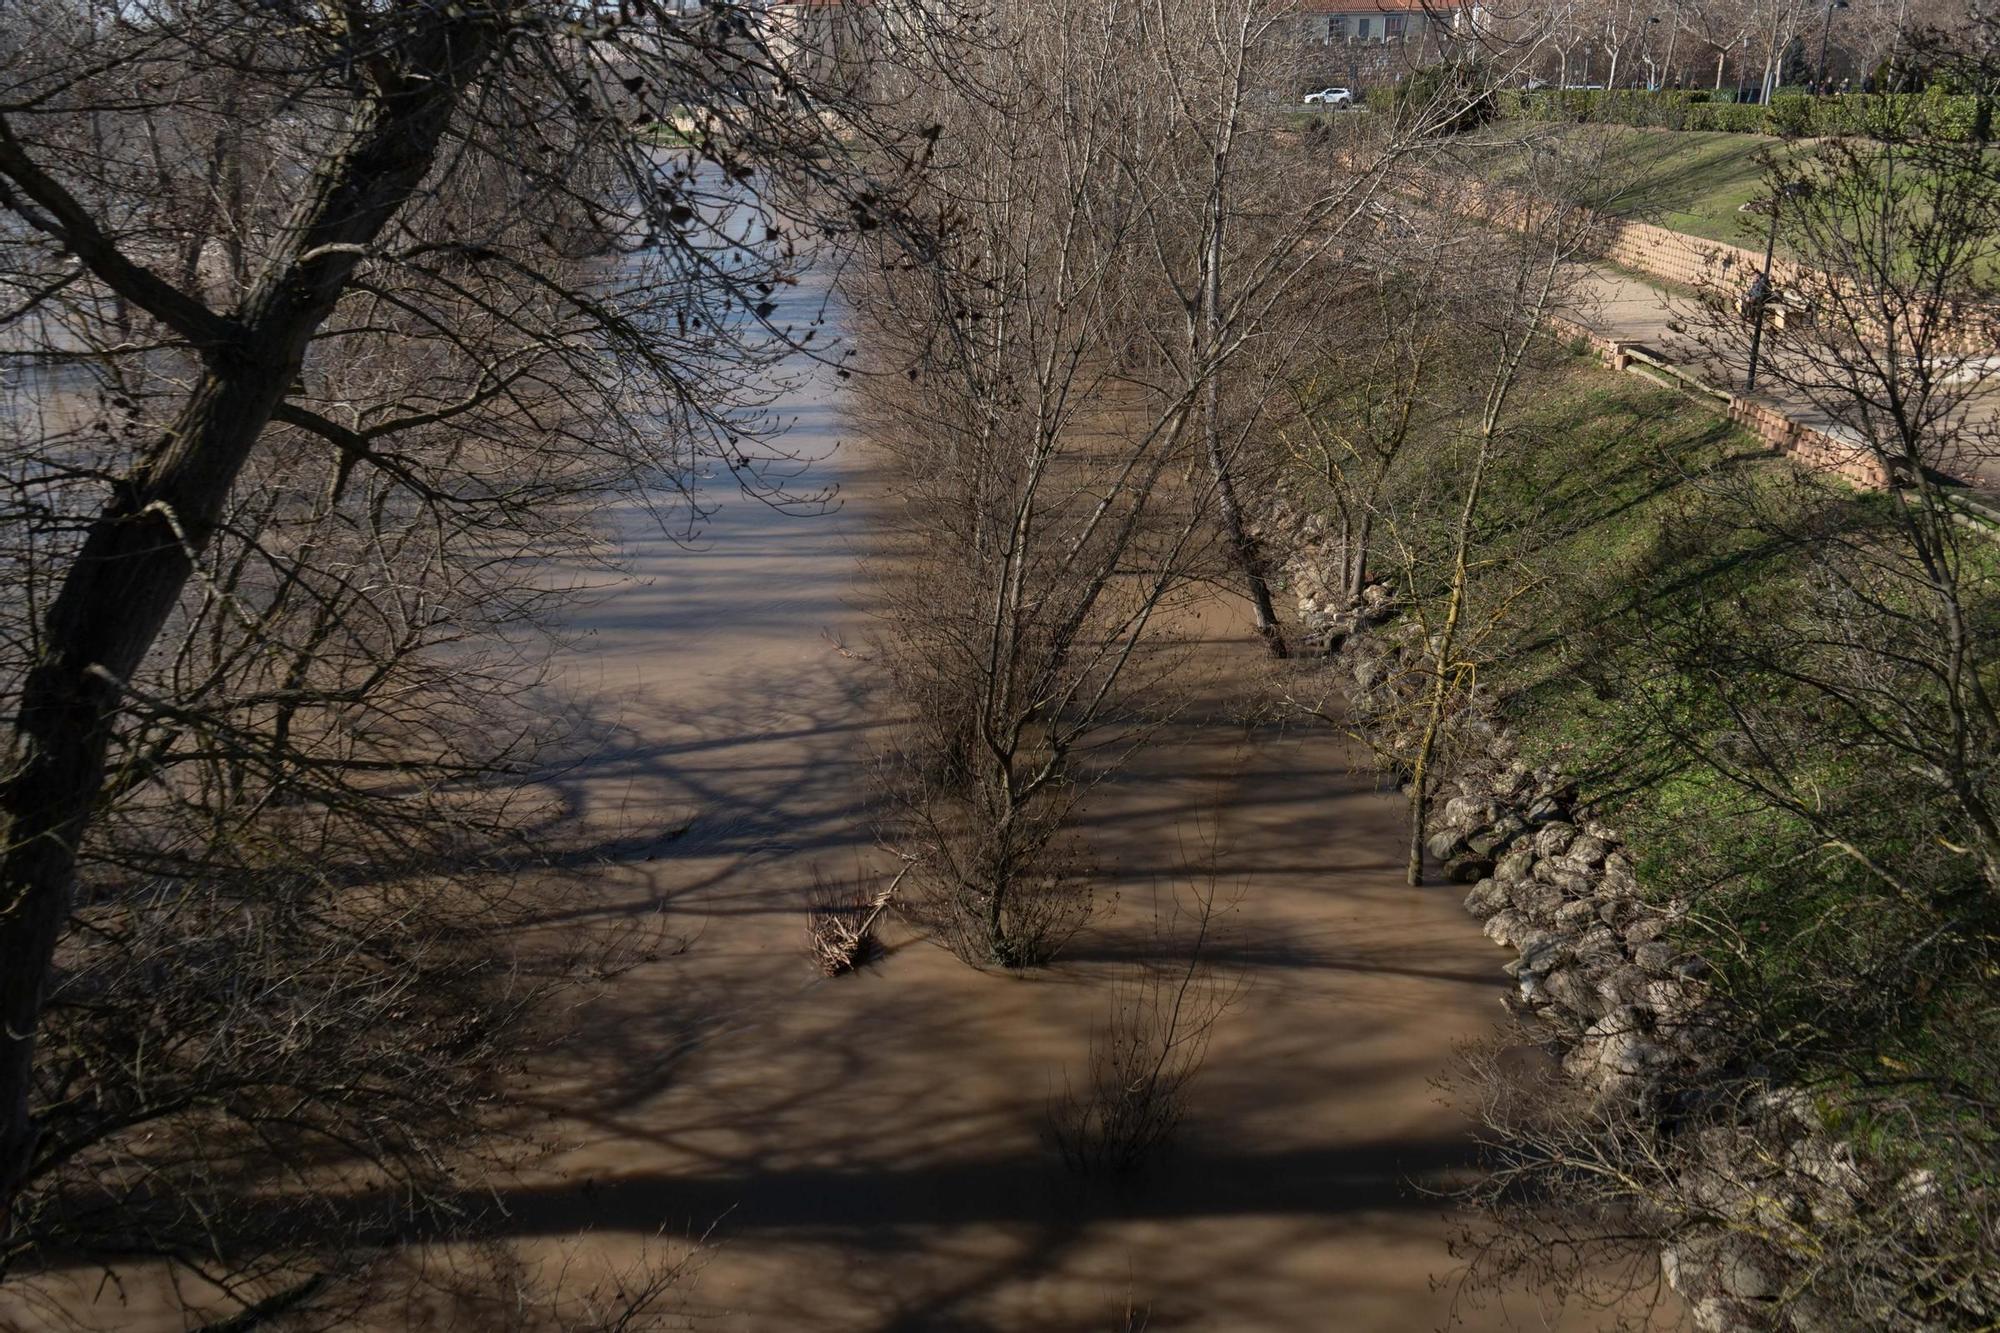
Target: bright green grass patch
{"x": 1691, "y": 181}
{"x": 1656, "y": 574}
{"x": 1686, "y": 180}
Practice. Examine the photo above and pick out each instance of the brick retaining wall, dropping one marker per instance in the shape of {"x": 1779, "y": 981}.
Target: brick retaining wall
{"x": 1704, "y": 265}
{"x": 1688, "y": 261}
{"x": 1808, "y": 447}
{"x": 1805, "y": 445}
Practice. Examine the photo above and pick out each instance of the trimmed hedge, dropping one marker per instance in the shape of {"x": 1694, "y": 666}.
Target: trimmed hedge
{"x": 1464, "y": 82}
{"x": 1730, "y": 117}
{"x": 1935, "y": 114}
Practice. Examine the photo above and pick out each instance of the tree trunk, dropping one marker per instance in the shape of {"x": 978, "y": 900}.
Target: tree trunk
{"x": 1420, "y": 770}
{"x": 1241, "y": 547}
{"x": 136, "y": 558}
{"x": 1357, "y": 562}
{"x": 1497, "y": 394}
{"x": 1240, "y": 544}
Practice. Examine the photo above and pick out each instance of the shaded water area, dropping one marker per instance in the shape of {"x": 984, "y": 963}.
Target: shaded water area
{"x": 870, "y": 1153}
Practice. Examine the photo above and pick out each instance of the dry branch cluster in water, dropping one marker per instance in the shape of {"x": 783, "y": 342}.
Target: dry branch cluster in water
{"x": 1121, "y": 1116}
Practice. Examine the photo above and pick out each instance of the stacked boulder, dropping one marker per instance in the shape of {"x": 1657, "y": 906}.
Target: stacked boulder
{"x": 1593, "y": 958}
{"x": 1632, "y": 1014}
{"x": 1327, "y": 616}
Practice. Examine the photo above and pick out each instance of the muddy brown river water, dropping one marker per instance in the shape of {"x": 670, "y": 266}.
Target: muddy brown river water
{"x": 868, "y": 1153}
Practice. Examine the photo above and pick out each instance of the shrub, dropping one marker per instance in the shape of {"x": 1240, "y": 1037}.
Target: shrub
{"x": 1793, "y": 116}
{"x": 1460, "y": 94}
{"x": 1125, "y": 1111}
{"x": 1956, "y": 117}
{"x": 1578, "y": 104}
{"x": 1729, "y": 117}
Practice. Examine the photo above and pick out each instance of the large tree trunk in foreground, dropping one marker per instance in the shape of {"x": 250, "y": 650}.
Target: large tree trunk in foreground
{"x": 138, "y": 553}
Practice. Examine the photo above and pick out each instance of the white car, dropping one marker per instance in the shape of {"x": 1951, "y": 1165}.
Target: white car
{"x": 1331, "y": 97}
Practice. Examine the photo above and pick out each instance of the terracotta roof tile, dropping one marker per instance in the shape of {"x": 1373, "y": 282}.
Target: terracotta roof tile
{"x": 1380, "y": 6}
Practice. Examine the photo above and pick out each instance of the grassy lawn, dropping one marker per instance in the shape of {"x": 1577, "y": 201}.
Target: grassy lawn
{"x": 1693, "y": 181}
{"x": 1611, "y": 466}
{"x": 1690, "y": 181}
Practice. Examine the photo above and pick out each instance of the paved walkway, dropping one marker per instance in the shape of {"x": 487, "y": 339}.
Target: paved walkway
{"x": 1622, "y": 307}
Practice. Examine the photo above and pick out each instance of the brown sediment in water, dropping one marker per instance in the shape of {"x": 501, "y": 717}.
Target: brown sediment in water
{"x": 869, "y": 1152}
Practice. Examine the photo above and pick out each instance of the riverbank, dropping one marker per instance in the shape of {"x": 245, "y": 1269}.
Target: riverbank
{"x": 871, "y": 1153}
{"x": 1661, "y": 787}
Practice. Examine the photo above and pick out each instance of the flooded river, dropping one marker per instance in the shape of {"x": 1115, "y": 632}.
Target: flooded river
{"x": 869, "y": 1153}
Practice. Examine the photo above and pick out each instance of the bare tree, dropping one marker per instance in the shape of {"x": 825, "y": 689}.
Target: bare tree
{"x": 1043, "y": 497}
{"x": 1516, "y": 281}
{"x": 1722, "y": 26}
{"x": 1895, "y": 235}
{"x": 1353, "y": 421}
{"x": 1239, "y": 235}
{"x": 1812, "y": 667}
{"x": 1623, "y": 25}
{"x": 327, "y": 327}
{"x": 1044, "y": 430}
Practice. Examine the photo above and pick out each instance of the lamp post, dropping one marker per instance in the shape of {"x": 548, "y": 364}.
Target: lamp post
{"x": 1826, "y": 31}
{"x": 1760, "y": 290}
{"x": 1645, "y": 49}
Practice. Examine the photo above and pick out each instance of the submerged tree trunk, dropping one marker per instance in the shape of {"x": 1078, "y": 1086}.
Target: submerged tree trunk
{"x": 1241, "y": 548}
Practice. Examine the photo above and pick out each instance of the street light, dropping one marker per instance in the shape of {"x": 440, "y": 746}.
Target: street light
{"x": 1760, "y": 290}
{"x": 1825, "y": 31}
{"x": 1646, "y": 42}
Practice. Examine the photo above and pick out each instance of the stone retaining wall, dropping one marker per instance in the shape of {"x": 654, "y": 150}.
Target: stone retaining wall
{"x": 1602, "y": 968}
